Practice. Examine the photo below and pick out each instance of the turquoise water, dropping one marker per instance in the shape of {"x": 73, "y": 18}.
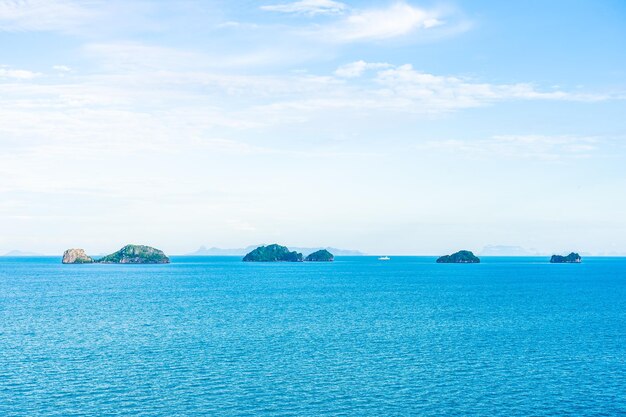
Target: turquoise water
{"x": 215, "y": 336}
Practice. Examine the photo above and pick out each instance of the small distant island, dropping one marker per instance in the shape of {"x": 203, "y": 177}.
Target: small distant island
{"x": 320, "y": 256}
{"x": 129, "y": 254}
{"x": 76, "y": 256}
{"x": 214, "y": 251}
{"x": 460, "y": 257}
{"x": 273, "y": 253}
{"x": 572, "y": 258}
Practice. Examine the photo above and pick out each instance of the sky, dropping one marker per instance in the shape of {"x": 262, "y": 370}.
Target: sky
{"x": 390, "y": 127}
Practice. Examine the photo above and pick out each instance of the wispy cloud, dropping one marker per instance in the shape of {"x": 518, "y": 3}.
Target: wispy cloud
{"x": 7, "y": 72}
{"x": 124, "y": 57}
{"x": 89, "y": 18}
{"x": 308, "y": 7}
{"x": 346, "y": 24}
{"x": 540, "y": 147}
{"x": 45, "y": 15}
{"x": 449, "y": 92}
{"x": 61, "y": 68}
{"x": 169, "y": 98}
{"x": 402, "y": 88}
{"x": 399, "y": 19}
{"x": 357, "y": 68}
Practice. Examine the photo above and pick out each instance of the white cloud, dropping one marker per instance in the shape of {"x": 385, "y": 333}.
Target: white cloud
{"x": 89, "y": 18}
{"x": 233, "y": 24}
{"x": 308, "y": 7}
{"x": 6, "y": 72}
{"x": 61, "y": 68}
{"x": 125, "y": 57}
{"x": 402, "y": 89}
{"x": 541, "y": 147}
{"x": 177, "y": 99}
{"x": 444, "y": 93}
{"x": 357, "y": 68}
{"x": 44, "y": 15}
{"x": 132, "y": 56}
{"x": 395, "y": 20}
{"x": 399, "y": 19}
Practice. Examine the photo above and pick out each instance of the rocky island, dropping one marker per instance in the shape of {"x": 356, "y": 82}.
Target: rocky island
{"x": 461, "y": 257}
{"x": 320, "y": 256}
{"x": 136, "y": 254}
{"x": 129, "y": 254}
{"x": 272, "y": 253}
{"x": 76, "y": 256}
{"x": 572, "y": 258}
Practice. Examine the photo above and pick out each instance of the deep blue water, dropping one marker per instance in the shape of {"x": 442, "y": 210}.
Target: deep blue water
{"x": 215, "y": 336}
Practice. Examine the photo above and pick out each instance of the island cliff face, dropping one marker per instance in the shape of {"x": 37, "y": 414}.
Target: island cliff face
{"x": 572, "y": 258}
{"x": 129, "y": 254}
{"x": 320, "y": 256}
{"x": 76, "y": 256}
{"x": 461, "y": 257}
{"x": 272, "y": 253}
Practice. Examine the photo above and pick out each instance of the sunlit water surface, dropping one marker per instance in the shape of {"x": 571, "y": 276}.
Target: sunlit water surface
{"x": 216, "y": 336}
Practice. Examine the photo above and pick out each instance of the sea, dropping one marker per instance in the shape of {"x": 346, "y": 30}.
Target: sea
{"x": 356, "y": 337}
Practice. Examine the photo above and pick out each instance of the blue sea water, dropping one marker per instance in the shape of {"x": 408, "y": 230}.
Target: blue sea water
{"x": 359, "y": 337}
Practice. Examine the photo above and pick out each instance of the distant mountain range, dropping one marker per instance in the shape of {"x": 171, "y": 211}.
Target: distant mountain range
{"x": 21, "y": 253}
{"x": 503, "y": 250}
{"x": 204, "y": 251}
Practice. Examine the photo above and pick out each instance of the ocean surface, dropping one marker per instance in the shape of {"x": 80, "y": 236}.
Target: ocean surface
{"x": 356, "y": 337}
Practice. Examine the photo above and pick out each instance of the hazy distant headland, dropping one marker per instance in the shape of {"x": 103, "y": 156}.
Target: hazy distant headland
{"x": 17, "y": 253}
{"x": 203, "y": 251}
{"x": 509, "y": 250}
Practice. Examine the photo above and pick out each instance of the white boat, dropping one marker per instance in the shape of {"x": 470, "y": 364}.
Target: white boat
{"x": 384, "y": 258}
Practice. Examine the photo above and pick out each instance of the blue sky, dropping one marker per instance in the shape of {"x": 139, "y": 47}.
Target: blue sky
{"x": 398, "y": 127}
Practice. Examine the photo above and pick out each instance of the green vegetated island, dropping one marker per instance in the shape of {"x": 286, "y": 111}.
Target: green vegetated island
{"x": 460, "y": 257}
{"x": 129, "y": 254}
{"x": 572, "y": 258}
{"x": 141, "y": 254}
{"x": 467, "y": 257}
{"x": 278, "y": 253}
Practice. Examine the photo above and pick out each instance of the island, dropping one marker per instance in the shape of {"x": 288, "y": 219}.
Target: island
{"x": 320, "y": 256}
{"x": 76, "y": 256}
{"x": 129, "y": 254}
{"x": 572, "y": 258}
{"x": 136, "y": 254}
{"x": 273, "y": 253}
{"x": 460, "y": 257}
